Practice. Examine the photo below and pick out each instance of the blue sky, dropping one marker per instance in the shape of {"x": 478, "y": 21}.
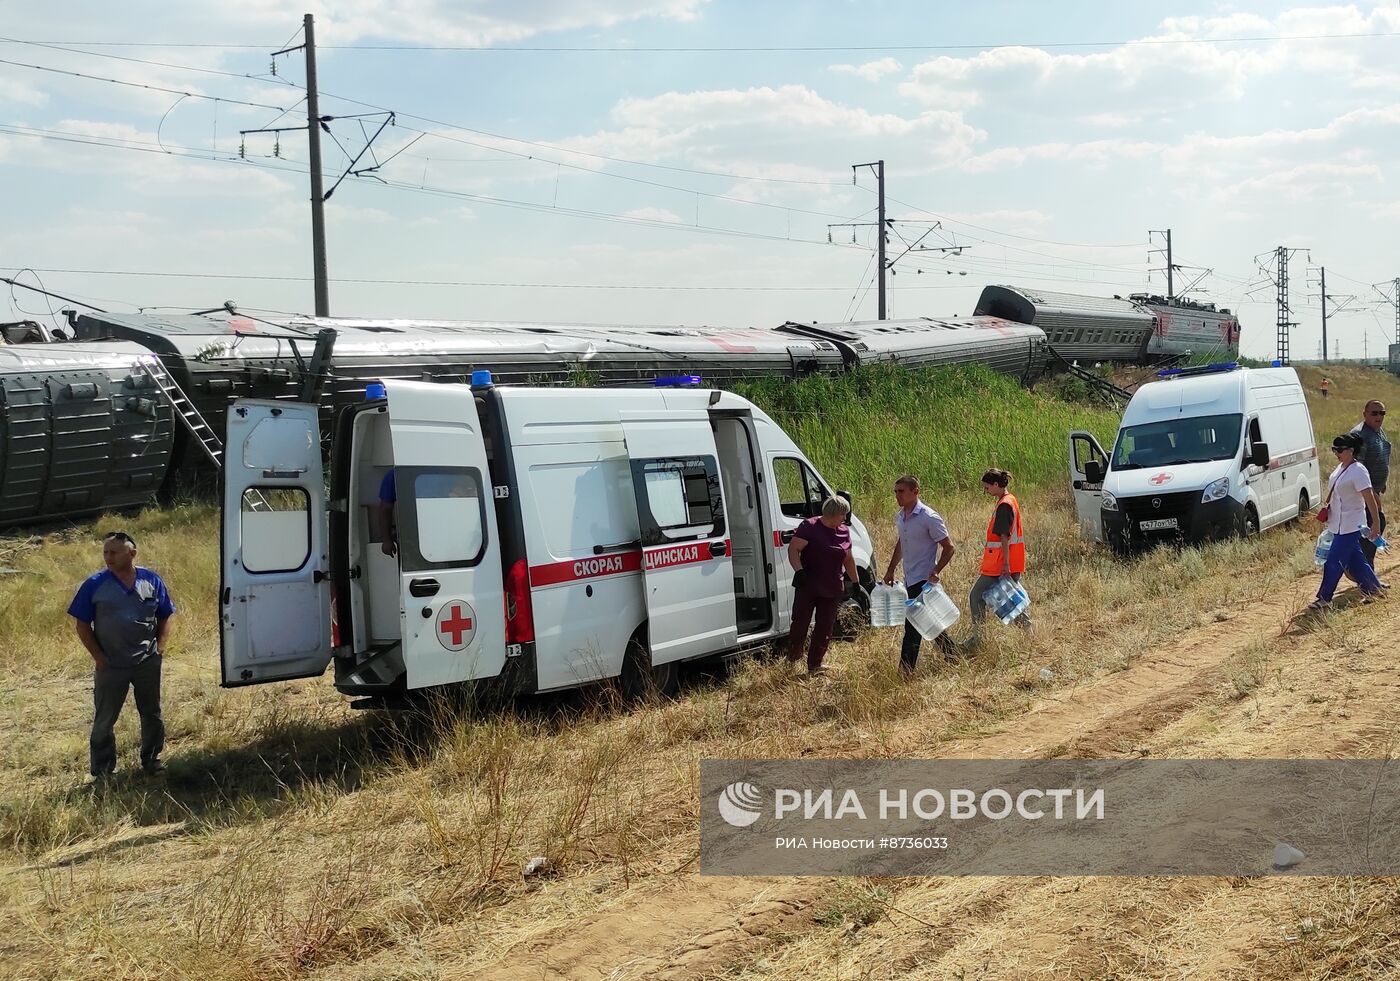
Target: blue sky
{"x": 709, "y": 178}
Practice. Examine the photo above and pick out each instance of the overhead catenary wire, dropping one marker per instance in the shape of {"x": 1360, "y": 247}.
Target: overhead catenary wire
{"x": 141, "y": 85}
{"x": 261, "y": 77}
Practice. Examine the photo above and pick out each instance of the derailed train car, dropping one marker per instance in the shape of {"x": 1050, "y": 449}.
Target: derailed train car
{"x": 1187, "y": 327}
{"x": 1011, "y": 348}
{"x": 1084, "y": 328}
{"x": 82, "y": 428}
{"x": 1141, "y": 328}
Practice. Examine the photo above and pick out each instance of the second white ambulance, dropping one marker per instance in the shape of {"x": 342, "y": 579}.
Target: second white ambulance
{"x": 1206, "y": 452}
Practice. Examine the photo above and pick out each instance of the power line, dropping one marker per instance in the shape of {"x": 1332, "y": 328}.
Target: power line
{"x": 258, "y": 77}
{"x": 604, "y": 173}
{"x": 758, "y": 49}
{"x": 141, "y": 85}
{"x": 438, "y": 122}
{"x": 120, "y": 143}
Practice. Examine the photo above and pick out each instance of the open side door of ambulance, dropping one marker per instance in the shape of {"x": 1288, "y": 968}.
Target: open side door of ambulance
{"x": 1085, "y": 454}
{"x": 275, "y": 604}
{"x": 686, "y": 564}
{"x": 450, "y": 581}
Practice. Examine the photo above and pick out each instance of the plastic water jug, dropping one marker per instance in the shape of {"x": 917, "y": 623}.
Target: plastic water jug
{"x": 1381, "y": 545}
{"x": 1007, "y": 599}
{"x": 887, "y": 605}
{"x": 1324, "y": 545}
{"x": 931, "y": 612}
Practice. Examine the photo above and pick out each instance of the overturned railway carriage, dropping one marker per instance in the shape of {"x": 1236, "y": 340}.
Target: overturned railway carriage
{"x": 82, "y": 428}
{"x": 1011, "y": 348}
{"x": 1082, "y": 328}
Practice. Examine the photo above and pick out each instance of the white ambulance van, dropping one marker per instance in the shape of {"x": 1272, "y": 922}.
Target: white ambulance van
{"x": 546, "y": 538}
{"x": 1203, "y": 453}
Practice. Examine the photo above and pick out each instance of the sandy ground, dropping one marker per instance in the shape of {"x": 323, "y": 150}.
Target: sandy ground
{"x": 1332, "y": 691}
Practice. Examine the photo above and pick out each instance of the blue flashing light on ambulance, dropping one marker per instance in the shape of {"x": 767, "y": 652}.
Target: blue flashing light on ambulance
{"x": 1204, "y": 453}
{"x": 547, "y": 538}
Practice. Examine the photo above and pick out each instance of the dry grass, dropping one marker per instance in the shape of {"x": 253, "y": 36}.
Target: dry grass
{"x": 293, "y": 838}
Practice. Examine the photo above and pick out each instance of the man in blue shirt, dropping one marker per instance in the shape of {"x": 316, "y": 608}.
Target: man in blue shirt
{"x": 122, "y": 616}
{"x": 925, "y": 548}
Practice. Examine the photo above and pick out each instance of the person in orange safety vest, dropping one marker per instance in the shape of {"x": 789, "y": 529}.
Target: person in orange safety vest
{"x": 1005, "y": 550}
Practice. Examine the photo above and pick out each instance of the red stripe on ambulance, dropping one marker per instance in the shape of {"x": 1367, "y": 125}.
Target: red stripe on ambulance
{"x": 602, "y": 566}
{"x": 596, "y": 567}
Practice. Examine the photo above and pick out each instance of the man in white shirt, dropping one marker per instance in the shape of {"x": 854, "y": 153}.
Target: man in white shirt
{"x": 1351, "y": 511}
{"x": 926, "y": 550}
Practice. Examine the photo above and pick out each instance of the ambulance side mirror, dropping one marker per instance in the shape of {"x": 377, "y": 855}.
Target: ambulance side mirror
{"x": 1259, "y": 454}
{"x": 852, "y": 513}
{"x": 1093, "y": 472}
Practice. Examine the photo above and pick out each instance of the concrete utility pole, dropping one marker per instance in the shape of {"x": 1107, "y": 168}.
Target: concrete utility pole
{"x": 318, "y": 199}
{"x": 1324, "y": 314}
{"x": 1395, "y": 285}
{"x": 879, "y": 167}
{"x": 313, "y": 137}
{"x": 1167, "y": 234}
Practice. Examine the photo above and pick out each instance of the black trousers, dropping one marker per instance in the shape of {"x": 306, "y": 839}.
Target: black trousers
{"x": 913, "y": 640}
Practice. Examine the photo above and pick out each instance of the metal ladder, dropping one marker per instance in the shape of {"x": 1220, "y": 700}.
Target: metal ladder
{"x": 185, "y": 411}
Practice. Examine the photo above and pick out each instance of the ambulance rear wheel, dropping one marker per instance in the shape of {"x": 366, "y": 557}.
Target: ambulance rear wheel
{"x": 639, "y": 679}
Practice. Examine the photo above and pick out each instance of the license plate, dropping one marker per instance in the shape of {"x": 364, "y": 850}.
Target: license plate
{"x": 1157, "y": 524}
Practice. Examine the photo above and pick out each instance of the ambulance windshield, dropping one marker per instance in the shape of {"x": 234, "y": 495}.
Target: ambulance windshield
{"x": 1176, "y": 441}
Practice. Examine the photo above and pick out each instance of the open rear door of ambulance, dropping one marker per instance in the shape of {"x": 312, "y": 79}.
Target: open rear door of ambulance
{"x": 686, "y": 564}
{"x": 275, "y": 600}
{"x": 450, "y": 582}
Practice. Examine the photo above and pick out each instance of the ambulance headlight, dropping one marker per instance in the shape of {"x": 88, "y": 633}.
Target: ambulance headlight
{"x": 1110, "y": 503}
{"x": 1216, "y": 490}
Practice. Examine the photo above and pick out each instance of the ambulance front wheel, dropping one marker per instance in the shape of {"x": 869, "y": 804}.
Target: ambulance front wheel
{"x": 639, "y": 679}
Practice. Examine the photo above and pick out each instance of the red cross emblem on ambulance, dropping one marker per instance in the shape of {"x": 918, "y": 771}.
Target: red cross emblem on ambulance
{"x": 456, "y": 626}
{"x": 1159, "y": 479}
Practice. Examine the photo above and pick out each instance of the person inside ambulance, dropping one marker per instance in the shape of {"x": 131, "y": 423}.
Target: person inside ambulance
{"x": 426, "y": 485}
{"x": 820, "y": 554}
{"x": 384, "y": 510}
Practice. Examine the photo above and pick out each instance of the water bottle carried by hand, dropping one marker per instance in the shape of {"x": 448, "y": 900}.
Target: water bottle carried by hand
{"x": 1324, "y": 545}
{"x": 1007, "y": 599}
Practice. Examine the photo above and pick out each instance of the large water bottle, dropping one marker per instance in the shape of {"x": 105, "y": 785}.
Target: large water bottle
{"x": 1007, "y": 599}
{"x": 887, "y": 605}
{"x": 931, "y": 612}
{"x": 1381, "y": 545}
{"x": 1324, "y": 545}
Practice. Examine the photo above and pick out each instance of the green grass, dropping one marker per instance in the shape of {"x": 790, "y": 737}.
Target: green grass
{"x": 945, "y": 425}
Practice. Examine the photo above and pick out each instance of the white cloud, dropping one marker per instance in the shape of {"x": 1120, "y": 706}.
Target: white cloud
{"x": 1151, "y": 77}
{"x": 871, "y": 71}
{"x": 789, "y": 131}
{"x": 1305, "y": 182}
{"x": 1093, "y": 153}
{"x": 654, "y": 214}
{"x": 485, "y": 22}
{"x": 13, "y": 92}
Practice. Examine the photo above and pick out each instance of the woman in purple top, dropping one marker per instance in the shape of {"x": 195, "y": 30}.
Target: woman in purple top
{"x": 820, "y": 553}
